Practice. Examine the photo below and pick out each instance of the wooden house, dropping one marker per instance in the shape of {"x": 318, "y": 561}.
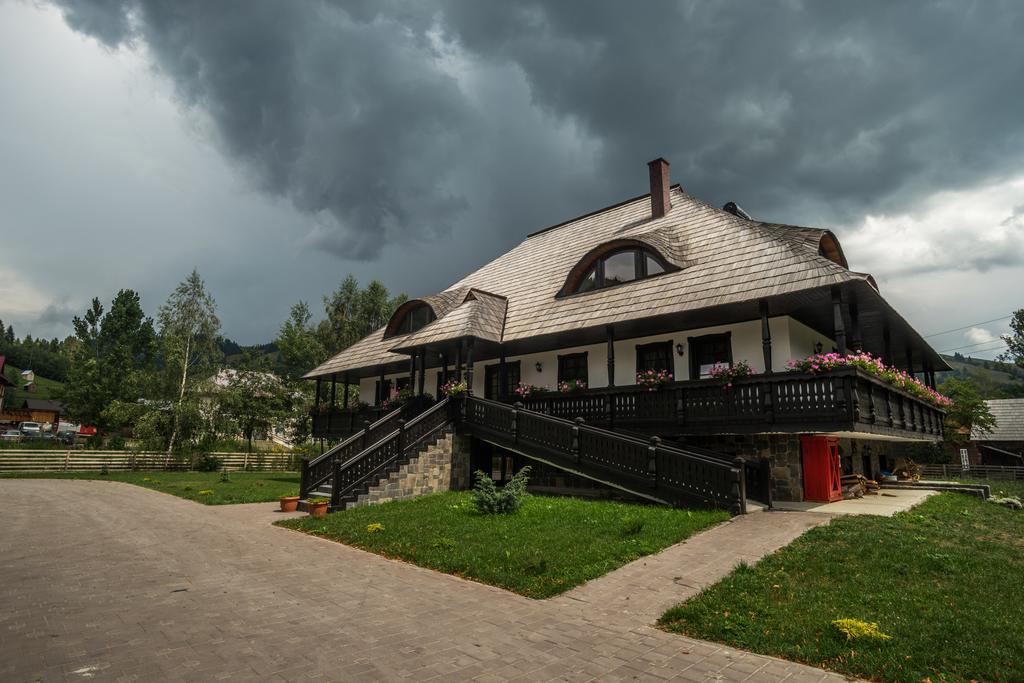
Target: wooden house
{"x": 567, "y": 322}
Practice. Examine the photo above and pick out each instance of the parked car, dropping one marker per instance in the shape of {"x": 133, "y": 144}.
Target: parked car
{"x": 11, "y": 435}
{"x": 31, "y": 429}
{"x": 67, "y": 438}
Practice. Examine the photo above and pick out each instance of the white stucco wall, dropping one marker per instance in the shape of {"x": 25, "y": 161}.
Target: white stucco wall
{"x": 790, "y": 339}
{"x": 803, "y": 338}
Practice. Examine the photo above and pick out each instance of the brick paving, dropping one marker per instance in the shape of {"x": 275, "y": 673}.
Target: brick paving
{"x": 117, "y": 582}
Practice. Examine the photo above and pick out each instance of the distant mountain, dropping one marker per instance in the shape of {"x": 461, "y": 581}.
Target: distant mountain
{"x": 993, "y": 378}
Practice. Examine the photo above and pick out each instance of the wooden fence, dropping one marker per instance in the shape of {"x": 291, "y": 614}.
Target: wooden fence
{"x": 86, "y": 461}
{"x": 975, "y": 472}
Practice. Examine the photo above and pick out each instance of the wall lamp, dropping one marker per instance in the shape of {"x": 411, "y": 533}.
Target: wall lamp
{"x": 539, "y": 367}
{"x": 680, "y": 349}
{"x": 817, "y": 347}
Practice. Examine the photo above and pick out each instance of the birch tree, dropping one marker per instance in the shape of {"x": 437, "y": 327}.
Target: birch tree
{"x": 188, "y": 334}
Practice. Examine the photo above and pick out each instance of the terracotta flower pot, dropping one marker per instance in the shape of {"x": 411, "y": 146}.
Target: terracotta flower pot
{"x": 289, "y": 503}
{"x": 317, "y": 509}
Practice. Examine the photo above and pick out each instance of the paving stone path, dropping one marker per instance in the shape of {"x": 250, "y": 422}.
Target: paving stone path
{"x": 116, "y": 582}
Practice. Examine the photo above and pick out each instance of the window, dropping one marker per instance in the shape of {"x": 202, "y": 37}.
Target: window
{"x": 708, "y": 351}
{"x": 415, "y": 319}
{"x": 572, "y": 367}
{"x": 492, "y": 377}
{"x": 657, "y": 356}
{"x": 620, "y": 267}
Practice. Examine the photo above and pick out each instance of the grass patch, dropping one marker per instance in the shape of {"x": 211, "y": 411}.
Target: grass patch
{"x": 943, "y": 580}
{"x": 203, "y": 487}
{"x": 549, "y": 546}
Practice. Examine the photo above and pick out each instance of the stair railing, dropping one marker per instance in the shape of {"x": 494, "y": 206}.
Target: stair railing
{"x": 318, "y": 470}
{"x": 649, "y": 467}
{"x": 394, "y": 447}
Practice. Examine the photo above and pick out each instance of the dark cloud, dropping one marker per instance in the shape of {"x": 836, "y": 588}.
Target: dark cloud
{"x": 819, "y": 109}
{"x": 419, "y": 139}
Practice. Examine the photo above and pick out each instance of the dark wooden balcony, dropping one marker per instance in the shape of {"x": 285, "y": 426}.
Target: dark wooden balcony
{"x": 847, "y": 400}
{"x": 340, "y": 423}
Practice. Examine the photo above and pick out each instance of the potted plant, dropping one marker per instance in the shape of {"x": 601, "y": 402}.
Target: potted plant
{"x": 653, "y": 379}
{"x": 453, "y": 388}
{"x": 524, "y": 390}
{"x": 729, "y": 374}
{"x": 571, "y": 385}
{"x": 317, "y": 507}
{"x": 289, "y": 503}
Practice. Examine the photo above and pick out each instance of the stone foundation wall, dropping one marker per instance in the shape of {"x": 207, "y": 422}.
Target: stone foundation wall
{"x": 443, "y": 466}
{"x": 782, "y": 450}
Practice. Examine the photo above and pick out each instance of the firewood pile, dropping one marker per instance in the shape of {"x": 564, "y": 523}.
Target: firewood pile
{"x": 858, "y": 486}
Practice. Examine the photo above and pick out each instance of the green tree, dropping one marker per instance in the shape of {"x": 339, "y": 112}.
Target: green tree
{"x": 298, "y": 346}
{"x": 353, "y": 313}
{"x": 252, "y": 398}
{"x": 112, "y": 358}
{"x": 189, "y": 329}
{"x": 1015, "y": 340}
{"x": 969, "y": 410}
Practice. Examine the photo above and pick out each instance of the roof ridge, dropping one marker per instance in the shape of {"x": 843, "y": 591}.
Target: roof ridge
{"x": 602, "y": 210}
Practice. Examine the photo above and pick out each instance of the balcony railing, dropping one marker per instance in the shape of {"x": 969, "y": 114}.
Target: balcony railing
{"x": 342, "y": 422}
{"x": 846, "y": 399}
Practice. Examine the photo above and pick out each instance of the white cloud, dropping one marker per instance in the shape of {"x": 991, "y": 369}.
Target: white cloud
{"x": 977, "y": 335}
{"x": 966, "y": 230}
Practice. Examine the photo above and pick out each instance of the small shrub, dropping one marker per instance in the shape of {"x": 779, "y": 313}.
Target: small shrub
{"x": 631, "y": 526}
{"x": 489, "y": 499}
{"x": 225, "y": 478}
{"x": 855, "y": 629}
{"x": 207, "y": 462}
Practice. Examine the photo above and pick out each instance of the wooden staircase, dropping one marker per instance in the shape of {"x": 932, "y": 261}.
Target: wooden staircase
{"x": 645, "y": 468}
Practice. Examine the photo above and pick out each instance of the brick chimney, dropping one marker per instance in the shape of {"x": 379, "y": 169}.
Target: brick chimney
{"x": 661, "y": 204}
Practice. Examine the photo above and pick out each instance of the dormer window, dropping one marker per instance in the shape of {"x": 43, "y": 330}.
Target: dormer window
{"x": 619, "y": 267}
{"x": 410, "y": 316}
{"x": 415, "y": 319}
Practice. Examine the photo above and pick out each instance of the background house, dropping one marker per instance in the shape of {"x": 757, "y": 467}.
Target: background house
{"x": 1004, "y": 445}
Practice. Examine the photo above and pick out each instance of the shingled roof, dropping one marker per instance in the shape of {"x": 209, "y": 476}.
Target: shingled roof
{"x": 1009, "y": 415}
{"x": 721, "y": 259}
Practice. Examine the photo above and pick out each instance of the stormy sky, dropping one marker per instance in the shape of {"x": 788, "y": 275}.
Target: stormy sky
{"x": 278, "y": 146}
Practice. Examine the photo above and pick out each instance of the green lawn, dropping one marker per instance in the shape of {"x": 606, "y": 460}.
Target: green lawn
{"x": 204, "y": 487}
{"x": 551, "y": 545}
{"x": 944, "y": 580}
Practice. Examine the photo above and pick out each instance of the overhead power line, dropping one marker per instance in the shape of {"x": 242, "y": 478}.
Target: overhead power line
{"x": 967, "y": 327}
{"x": 997, "y": 346}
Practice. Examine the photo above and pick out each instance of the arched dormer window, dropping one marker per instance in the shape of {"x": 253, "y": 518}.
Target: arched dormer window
{"x": 613, "y": 264}
{"x": 828, "y": 246}
{"x": 410, "y": 317}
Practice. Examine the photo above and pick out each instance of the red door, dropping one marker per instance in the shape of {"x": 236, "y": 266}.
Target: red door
{"x": 821, "y": 468}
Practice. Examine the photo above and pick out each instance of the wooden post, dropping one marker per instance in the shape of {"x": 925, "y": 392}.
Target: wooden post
{"x": 611, "y": 355}
{"x": 345, "y": 398}
{"x": 334, "y": 398}
{"x": 412, "y": 372}
{"x": 469, "y": 365}
{"x": 858, "y": 343}
{"x": 766, "y": 336}
{"x": 423, "y": 369}
{"x": 837, "y": 319}
{"x": 887, "y": 347}
{"x": 380, "y": 387}
{"x": 910, "y": 362}
{"x": 444, "y": 373}
{"x": 652, "y": 459}
{"x": 502, "y": 375}
{"x": 458, "y": 362}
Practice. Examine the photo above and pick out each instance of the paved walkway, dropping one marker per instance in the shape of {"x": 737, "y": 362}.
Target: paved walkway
{"x": 642, "y": 590}
{"x": 115, "y": 582}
